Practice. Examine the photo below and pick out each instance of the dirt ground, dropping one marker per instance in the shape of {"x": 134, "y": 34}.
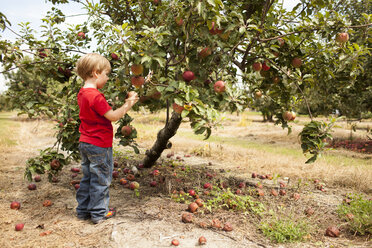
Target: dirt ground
{"x": 153, "y": 219}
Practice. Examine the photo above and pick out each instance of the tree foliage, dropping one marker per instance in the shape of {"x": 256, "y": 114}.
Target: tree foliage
{"x": 217, "y": 40}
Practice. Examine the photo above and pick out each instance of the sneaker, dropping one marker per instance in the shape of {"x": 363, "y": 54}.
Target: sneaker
{"x": 111, "y": 213}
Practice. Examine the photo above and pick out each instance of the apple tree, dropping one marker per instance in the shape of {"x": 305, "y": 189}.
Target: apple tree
{"x": 195, "y": 57}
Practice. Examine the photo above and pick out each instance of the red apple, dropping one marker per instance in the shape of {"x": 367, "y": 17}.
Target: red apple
{"x": 205, "y": 52}
{"x": 15, "y": 205}
{"x": 115, "y": 174}
{"x": 55, "y": 164}
{"x": 137, "y": 81}
{"x": 81, "y": 35}
{"x": 116, "y": 164}
{"x": 202, "y": 240}
{"x": 258, "y": 94}
{"x": 254, "y": 175}
{"x": 219, "y": 86}
{"x": 77, "y": 186}
{"x": 207, "y": 186}
{"x": 281, "y": 42}
{"x": 156, "y": 95}
{"x": 153, "y": 183}
{"x": 76, "y": 170}
{"x": 288, "y": 116}
{"x": 155, "y": 172}
{"x": 241, "y": 185}
{"x": 188, "y": 76}
{"x": 42, "y": 53}
{"x": 31, "y": 186}
{"x": 175, "y": 242}
{"x": 257, "y": 66}
{"x": 126, "y": 131}
{"x": 192, "y": 192}
{"x": 123, "y": 181}
{"x": 274, "y": 192}
{"x": 37, "y": 178}
{"x": 136, "y": 69}
{"x": 19, "y": 226}
{"x": 134, "y": 185}
{"x": 114, "y": 56}
{"x": 265, "y": 67}
{"x": 296, "y": 62}
{"x": 178, "y": 20}
{"x": 342, "y": 37}
{"x": 177, "y": 108}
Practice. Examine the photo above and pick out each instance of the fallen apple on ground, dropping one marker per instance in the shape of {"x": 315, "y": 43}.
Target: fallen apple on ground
{"x": 15, "y": 205}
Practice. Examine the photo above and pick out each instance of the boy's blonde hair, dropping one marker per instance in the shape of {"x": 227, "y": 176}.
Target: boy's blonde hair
{"x": 91, "y": 62}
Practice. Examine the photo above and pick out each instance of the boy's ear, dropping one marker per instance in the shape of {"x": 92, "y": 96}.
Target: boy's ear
{"x": 94, "y": 73}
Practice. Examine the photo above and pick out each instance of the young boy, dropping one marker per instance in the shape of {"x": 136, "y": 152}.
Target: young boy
{"x": 96, "y": 136}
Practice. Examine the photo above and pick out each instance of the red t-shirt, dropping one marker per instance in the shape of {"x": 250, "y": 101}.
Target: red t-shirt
{"x": 94, "y": 129}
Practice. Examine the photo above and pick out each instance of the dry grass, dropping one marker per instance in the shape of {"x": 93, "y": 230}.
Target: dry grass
{"x": 246, "y": 145}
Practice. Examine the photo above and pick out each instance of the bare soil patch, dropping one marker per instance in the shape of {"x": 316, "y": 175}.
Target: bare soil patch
{"x": 153, "y": 218}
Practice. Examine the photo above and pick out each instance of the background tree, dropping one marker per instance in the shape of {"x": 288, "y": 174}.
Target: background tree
{"x": 200, "y": 57}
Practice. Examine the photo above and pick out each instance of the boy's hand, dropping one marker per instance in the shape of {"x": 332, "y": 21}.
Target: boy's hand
{"x": 132, "y": 96}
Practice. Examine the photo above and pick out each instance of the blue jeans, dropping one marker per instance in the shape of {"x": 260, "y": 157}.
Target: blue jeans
{"x": 93, "y": 195}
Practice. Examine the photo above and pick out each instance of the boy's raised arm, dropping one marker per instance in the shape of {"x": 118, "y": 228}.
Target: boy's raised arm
{"x": 117, "y": 114}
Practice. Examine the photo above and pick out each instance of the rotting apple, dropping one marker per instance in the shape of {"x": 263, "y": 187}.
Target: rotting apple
{"x": 31, "y": 186}
{"x": 55, "y": 164}
{"x": 76, "y": 170}
{"x": 115, "y": 174}
{"x": 193, "y": 207}
{"x": 187, "y": 218}
{"x": 199, "y": 202}
{"x": 134, "y": 185}
{"x": 37, "y": 178}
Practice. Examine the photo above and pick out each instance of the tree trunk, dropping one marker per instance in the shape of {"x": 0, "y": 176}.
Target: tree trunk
{"x": 162, "y": 140}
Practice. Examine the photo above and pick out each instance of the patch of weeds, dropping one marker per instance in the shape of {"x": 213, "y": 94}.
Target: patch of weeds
{"x": 357, "y": 211}
{"x": 182, "y": 198}
{"x": 285, "y": 229}
{"x": 226, "y": 199}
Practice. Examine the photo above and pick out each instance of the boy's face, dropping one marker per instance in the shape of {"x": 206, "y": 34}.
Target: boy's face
{"x": 102, "y": 78}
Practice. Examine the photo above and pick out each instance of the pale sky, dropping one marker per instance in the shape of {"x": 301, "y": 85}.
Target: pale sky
{"x": 33, "y": 10}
